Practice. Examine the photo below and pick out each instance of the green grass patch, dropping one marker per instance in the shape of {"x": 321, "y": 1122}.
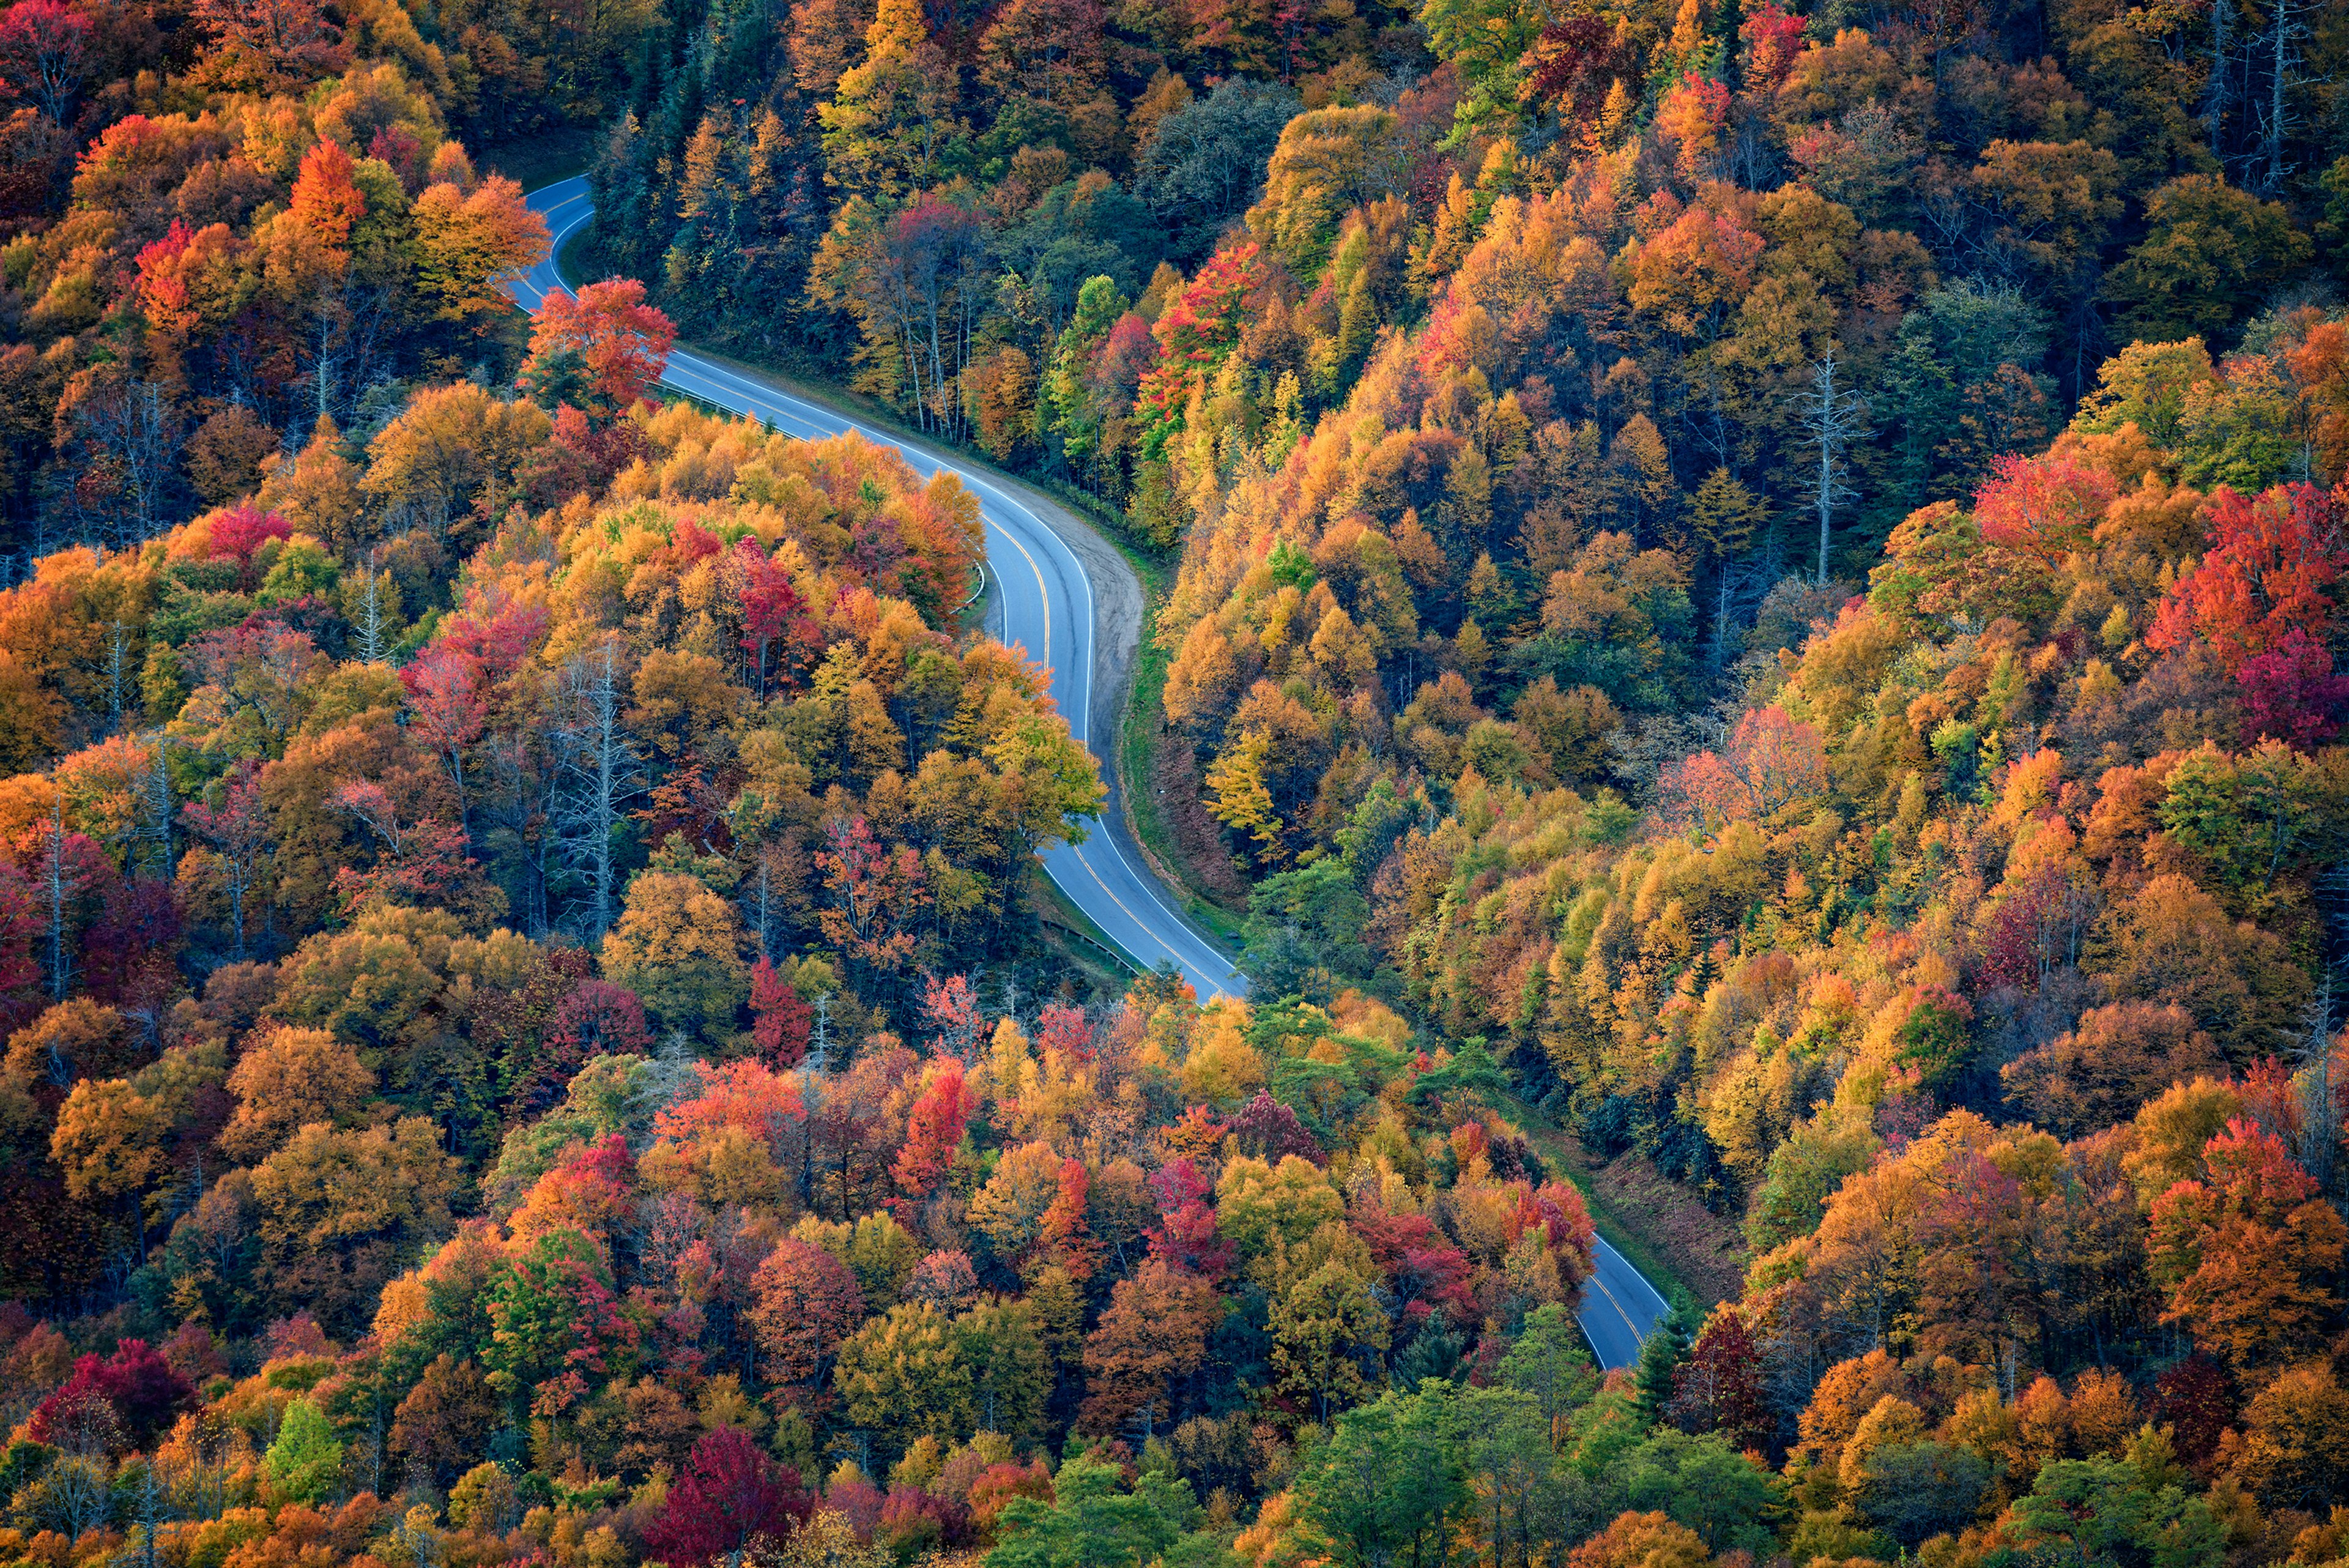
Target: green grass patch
{"x": 573, "y": 261}
{"x": 536, "y": 160}
{"x": 1139, "y": 737}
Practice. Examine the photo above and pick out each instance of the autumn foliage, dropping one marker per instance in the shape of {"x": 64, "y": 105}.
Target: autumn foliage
{"x": 1753, "y": 623}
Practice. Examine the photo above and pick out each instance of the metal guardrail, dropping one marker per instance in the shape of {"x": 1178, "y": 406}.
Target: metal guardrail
{"x": 1097, "y": 945}
{"x": 977, "y": 592}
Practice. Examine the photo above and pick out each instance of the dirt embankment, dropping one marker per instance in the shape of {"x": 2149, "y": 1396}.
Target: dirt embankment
{"x": 1704, "y": 1251}
{"x": 1181, "y": 799}
{"x": 1178, "y": 792}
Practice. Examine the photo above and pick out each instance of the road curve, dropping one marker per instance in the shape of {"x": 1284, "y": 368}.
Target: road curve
{"x": 1620, "y": 1308}
{"x": 1048, "y": 609}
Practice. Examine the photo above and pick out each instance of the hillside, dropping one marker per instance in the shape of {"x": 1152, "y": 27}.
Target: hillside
{"x": 1752, "y": 618}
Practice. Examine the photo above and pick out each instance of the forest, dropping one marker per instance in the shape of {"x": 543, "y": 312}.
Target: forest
{"x": 1755, "y": 594}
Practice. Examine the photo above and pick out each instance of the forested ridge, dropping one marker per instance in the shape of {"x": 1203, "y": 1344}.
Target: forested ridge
{"x": 1762, "y": 587}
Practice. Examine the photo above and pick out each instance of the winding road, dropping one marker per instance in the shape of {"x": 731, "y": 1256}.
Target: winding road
{"x": 1037, "y": 554}
{"x": 1070, "y": 602}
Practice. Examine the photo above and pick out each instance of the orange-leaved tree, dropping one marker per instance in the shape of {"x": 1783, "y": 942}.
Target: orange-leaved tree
{"x": 602, "y": 349}
{"x": 2248, "y": 1253}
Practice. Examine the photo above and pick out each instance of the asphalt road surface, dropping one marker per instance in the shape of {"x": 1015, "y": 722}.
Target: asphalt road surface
{"x": 1081, "y": 625}
{"x": 1620, "y": 1308}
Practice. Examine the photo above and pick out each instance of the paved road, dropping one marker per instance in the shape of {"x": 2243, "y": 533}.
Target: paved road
{"x": 1048, "y": 609}
{"x": 1620, "y": 1308}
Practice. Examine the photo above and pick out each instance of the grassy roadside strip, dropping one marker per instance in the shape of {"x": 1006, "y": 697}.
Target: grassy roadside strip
{"x": 571, "y": 259}
{"x": 1138, "y": 735}
{"x": 535, "y": 161}
{"x": 1603, "y": 1218}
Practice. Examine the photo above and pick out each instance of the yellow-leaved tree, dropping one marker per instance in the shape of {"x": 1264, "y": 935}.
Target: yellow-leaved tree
{"x": 678, "y": 946}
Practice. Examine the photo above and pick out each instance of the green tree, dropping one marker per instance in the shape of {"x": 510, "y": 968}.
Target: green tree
{"x": 1660, "y": 1355}
{"x": 1069, "y": 405}
{"x": 1325, "y": 1330}
{"x": 306, "y": 1463}
{"x": 2211, "y": 254}
{"x": 1521, "y": 1495}
{"x": 904, "y": 1376}
{"x": 1010, "y": 1373}
{"x": 1257, "y": 1204}
{"x": 1917, "y": 1490}
{"x": 1802, "y": 1173}
{"x": 1380, "y": 1492}
{"x": 2247, "y": 815}
{"x": 1091, "y": 1522}
{"x": 882, "y": 1254}
{"x": 1470, "y": 1079}
{"x": 1328, "y": 162}
{"x": 536, "y": 1309}
{"x": 2090, "y": 1513}
{"x": 1705, "y": 1484}
{"x": 1549, "y": 1362}
{"x": 1486, "y": 41}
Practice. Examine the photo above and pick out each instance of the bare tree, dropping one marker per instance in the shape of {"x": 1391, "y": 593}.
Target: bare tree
{"x": 1831, "y": 417}
{"x": 239, "y": 833}
{"x": 760, "y": 898}
{"x": 602, "y": 772}
{"x": 2284, "y": 31}
{"x": 76, "y": 1494}
{"x": 820, "y": 1058}
{"x": 1738, "y": 587}
{"x": 525, "y": 801}
{"x": 2319, "y": 1111}
{"x": 47, "y": 50}
{"x": 117, "y": 675}
{"x": 323, "y": 344}
{"x": 922, "y": 281}
{"x": 135, "y": 431}
{"x": 2215, "y": 94}
{"x": 155, "y": 1508}
{"x": 371, "y": 622}
{"x": 158, "y": 804}
{"x": 60, "y": 884}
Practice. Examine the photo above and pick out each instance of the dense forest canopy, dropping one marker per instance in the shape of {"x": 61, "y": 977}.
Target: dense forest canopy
{"x": 1746, "y": 595}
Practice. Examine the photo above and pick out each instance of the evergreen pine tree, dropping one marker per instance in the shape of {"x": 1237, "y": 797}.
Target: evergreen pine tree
{"x": 1660, "y": 1355}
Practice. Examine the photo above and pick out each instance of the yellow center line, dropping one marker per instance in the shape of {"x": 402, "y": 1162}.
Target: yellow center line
{"x": 1129, "y": 914}
{"x": 1042, "y": 594}
{"x": 1636, "y": 1336}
